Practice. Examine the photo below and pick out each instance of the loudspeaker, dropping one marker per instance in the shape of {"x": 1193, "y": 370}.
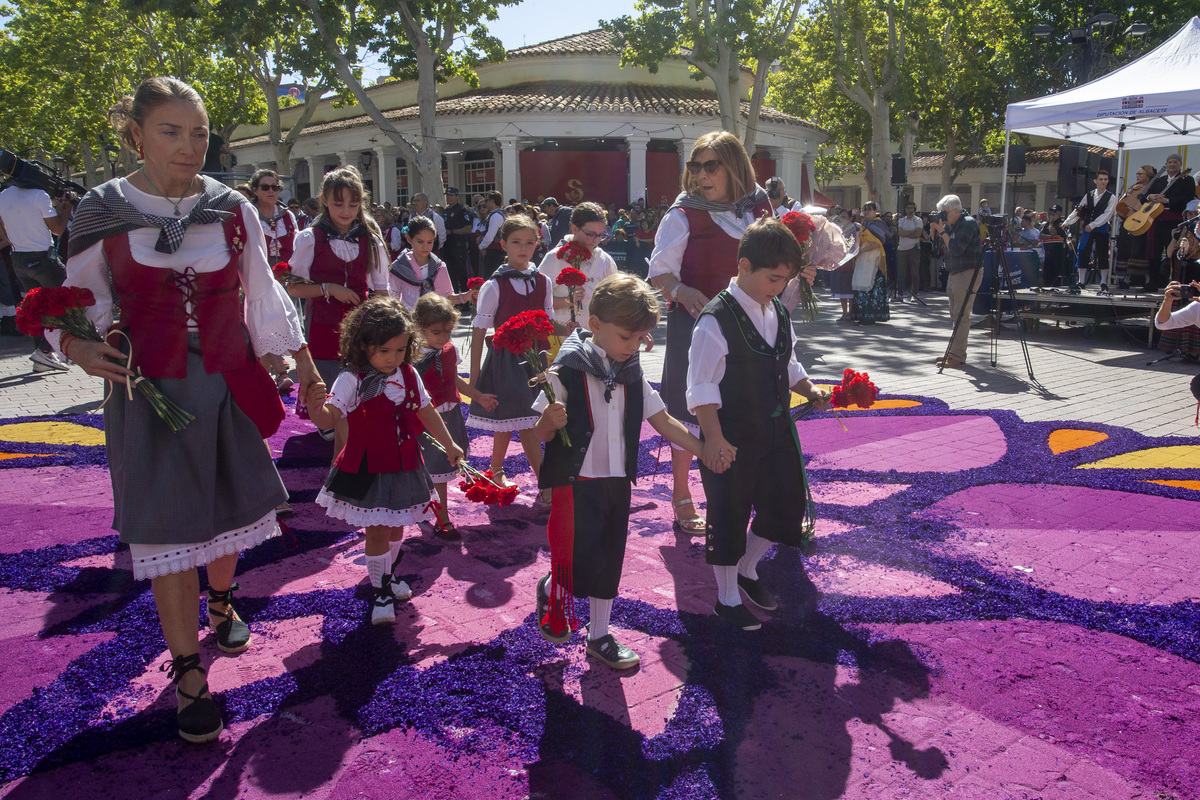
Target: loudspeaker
{"x": 1016, "y": 159}
{"x": 1072, "y": 168}
{"x": 1109, "y": 164}
{"x": 899, "y": 173}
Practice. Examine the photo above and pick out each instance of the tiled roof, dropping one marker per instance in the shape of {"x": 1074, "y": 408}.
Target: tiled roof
{"x": 566, "y": 98}
{"x": 1042, "y": 155}
{"x": 597, "y": 41}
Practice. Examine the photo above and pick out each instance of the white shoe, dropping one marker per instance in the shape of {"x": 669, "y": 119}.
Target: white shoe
{"x": 44, "y": 361}
{"x": 382, "y": 610}
{"x": 401, "y": 590}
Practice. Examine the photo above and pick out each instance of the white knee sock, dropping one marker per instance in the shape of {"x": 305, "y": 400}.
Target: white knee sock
{"x": 377, "y": 567}
{"x": 727, "y": 588}
{"x": 393, "y": 552}
{"x": 599, "y": 611}
{"x": 756, "y": 548}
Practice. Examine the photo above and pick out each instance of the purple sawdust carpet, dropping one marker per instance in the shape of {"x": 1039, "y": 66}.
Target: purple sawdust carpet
{"x": 990, "y": 609}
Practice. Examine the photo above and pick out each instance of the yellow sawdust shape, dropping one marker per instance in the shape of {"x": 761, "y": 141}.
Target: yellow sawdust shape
{"x": 797, "y": 400}
{"x": 1180, "y": 456}
{"x": 1067, "y": 439}
{"x": 51, "y": 433}
{"x": 6, "y": 456}
{"x": 1193, "y": 485}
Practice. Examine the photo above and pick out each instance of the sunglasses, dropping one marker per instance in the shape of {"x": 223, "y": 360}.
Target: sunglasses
{"x": 270, "y": 187}
{"x": 709, "y": 166}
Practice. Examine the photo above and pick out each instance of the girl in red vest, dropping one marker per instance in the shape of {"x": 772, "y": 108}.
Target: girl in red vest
{"x": 437, "y": 364}
{"x": 515, "y": 287}
{"x": 378, "y": 480}
{"x": 342, "y": 253}
{"x": 416, "y": 271}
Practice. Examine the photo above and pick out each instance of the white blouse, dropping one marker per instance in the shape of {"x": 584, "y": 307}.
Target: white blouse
{"x": 488, "y": 301}
{"x": 302, "y": 258}
{"x": 596, "y": 268}
{"x": 605, "y": 456}
{"x": 671, "y": 240}
{"x": 409, "y": 294}
{"x": 1188, "y": 315}
{"x": 706, "y": 357}
{"x": 344, "y": 394}
{"x": 270, "y": 314}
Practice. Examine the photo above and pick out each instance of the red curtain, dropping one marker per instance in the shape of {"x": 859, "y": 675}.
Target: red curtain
{"x": 571, "y": 176}
{"x": 662, "y": 178}
{"x": 764, "y": 168}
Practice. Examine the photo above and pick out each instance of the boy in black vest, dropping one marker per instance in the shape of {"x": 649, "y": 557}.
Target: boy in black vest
{"x": 742, "y": 369}
{"x": 602, "y": 399}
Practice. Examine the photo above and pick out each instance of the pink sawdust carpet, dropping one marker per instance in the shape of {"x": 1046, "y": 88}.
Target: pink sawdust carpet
{"x": 990, "y": 609}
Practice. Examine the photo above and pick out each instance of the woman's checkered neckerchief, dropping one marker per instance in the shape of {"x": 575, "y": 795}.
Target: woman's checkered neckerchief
{"x": 105, "y": 211}
{"x": 579, "y": 353}
{"x": 741, "y": 207}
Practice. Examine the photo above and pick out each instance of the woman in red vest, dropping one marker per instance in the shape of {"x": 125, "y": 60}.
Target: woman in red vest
{"x": 343, "y": 254}
{"x": 173, "y": 250}
{"x": 695, "y": 256}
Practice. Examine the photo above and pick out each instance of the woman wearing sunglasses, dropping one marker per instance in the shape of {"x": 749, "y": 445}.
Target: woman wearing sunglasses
{"x": 694, "y": 257}
{"x": 278, "y": 224}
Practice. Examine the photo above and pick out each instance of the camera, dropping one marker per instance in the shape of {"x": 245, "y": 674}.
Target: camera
{"x": 937, "y": 216}
{"x": 1188, "y": 292}
{"x": 36, "y": 175}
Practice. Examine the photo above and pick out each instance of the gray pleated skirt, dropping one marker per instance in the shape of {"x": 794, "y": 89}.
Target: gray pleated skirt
{"x": 190, "y": 486}
{"x": 506, "y": 376}
{"x": 391, "y": 499}
{"x": 436, "y": 462}
{"x": 680, "y": 325}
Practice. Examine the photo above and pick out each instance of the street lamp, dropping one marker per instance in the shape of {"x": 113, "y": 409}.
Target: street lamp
{"x": 112, "y": 154}
{"x": 60, "y": 164}
{"x": 365, "y": 158}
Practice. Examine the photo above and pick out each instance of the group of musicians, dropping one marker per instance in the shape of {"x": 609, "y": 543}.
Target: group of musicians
{"x": 1140, "y": 258}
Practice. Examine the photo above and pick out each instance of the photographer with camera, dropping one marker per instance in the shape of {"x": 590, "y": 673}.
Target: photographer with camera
{"x": 781, "y": 203}
{"x": 962, "y": 250}
{"x": 32, "y": 220}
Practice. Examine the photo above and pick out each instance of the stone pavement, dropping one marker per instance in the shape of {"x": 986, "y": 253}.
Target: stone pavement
{"x": 1103, "y": 378}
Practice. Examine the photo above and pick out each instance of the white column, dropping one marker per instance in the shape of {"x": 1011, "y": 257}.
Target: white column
{"x": 385, "y": 189}
{"x": 637, "y": 165}
{"x": 976, "y": 196}
{"x": 510, "y": 170}
{"x": 454, "y": 172}
{"x": 789, "y": 166}
{"x": 1040, "y": 192}
{"x": 348, "y": 158}
{"x": 685, "y": 152}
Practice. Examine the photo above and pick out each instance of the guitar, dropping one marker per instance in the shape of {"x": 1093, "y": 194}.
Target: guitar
{"x": 1141, "y": 220}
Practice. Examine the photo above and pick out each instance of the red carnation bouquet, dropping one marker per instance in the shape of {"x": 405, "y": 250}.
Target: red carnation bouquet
{"x": 474, "y": 285}
{"x": 571, "y": 278}
{"x": 855, "y": 390}
{"x": 520, "y": 335}
{"x": 63, "y": 308}
{"x": 480, "y": 487}
{"x": 283, "y": 273}
{"x": 802, "y": 226}
{"x": 573, "y": 253}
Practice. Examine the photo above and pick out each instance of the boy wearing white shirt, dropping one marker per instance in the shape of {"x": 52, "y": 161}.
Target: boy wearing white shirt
{"x": 602, "y": 399}
{"x": 742, "y": 369}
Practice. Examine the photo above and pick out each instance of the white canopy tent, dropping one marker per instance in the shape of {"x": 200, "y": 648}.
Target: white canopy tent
{"x": 1151, "y": 102}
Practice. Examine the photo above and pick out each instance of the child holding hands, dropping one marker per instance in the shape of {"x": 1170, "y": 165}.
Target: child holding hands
{"x": 742, "y": 369}
{"x": 437, "y": 364}
{"x": 603, "y": 397}
{"x": 378, "y": 479}
{"x": 515, "y": 287}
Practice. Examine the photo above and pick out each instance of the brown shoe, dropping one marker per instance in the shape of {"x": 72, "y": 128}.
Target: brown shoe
{"x": 951, "y": 362}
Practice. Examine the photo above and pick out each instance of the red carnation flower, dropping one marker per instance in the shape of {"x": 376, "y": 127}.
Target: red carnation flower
{"x": 571, "y": 277}
{"x": 800, "y": 224}
{"x": 474, "y": 283}
{"x": 573, "y": 253}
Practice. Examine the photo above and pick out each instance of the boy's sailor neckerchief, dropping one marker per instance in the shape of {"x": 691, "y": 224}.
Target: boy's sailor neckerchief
{"x": 529, "y": 276}
{"x": 578, "y": 353}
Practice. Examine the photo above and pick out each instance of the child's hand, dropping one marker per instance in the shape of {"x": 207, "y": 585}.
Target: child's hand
{"x": 809, "y": 274}
{"x": 555, "y": 416}
{"x": 344, "y": 294}
{"x": 316, "y": 397}
{"x": 821, "y": 399}
{"x": 488, "y": 401}
{"x": 718, "y": 454}
{"x": 454, "y": 454}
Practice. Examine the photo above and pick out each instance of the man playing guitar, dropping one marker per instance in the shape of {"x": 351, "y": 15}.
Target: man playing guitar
{"x": 1174, "y": 189}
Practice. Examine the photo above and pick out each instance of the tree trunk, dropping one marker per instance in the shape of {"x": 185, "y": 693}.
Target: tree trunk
{"x": 948, "y": 164}
{"x": 756, "y": 102}
{"x": 881, "y": 152}
{"x": 908, "y": 145}
{"x": 428, "y": 161}
{"x": 89, "y": 165}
